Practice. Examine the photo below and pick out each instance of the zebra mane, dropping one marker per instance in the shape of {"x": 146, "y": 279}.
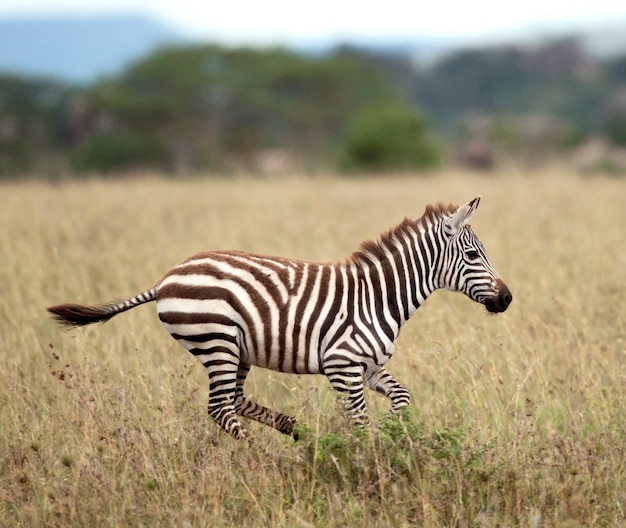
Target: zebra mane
{"x": 439, "y": 210}
{"x": 387, "y": 240}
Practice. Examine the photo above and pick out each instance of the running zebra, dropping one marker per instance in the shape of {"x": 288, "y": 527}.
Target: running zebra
{"x": 233, "y": 310}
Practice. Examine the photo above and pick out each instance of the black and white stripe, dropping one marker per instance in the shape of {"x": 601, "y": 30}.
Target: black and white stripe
{"x": 233, "y": 310}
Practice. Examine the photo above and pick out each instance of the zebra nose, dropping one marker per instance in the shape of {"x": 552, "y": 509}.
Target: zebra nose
{"x": 505, "y": 294}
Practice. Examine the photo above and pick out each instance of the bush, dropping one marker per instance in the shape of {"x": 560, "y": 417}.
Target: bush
{"x": 117, "y": 151}
{"x": 615, "y": 130}
{"x": 387, "y": 137}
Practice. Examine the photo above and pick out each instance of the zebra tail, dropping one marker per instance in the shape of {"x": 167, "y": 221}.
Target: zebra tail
{"x": 71, "y": 315}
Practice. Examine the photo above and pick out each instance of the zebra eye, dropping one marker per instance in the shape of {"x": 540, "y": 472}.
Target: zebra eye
{"x": 471, "y": 254}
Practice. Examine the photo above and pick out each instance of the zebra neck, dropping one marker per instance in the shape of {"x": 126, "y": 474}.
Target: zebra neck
{"x": 399, "y": 271}
{"x": 394, "y": 283}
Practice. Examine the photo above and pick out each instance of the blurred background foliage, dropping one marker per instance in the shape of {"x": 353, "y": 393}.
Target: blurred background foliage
{"x": 184, "y": 109}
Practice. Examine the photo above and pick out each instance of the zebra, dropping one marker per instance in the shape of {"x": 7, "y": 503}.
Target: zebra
{"x": 233, "y": 310}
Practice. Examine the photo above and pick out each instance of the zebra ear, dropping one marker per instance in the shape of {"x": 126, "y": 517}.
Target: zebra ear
{"x": 461, "y": 216}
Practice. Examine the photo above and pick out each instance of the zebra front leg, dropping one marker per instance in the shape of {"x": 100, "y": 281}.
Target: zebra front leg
{"x": 244, "y": 407}
{"x": 381, "y": 381}
{"x": 347, "y": 380}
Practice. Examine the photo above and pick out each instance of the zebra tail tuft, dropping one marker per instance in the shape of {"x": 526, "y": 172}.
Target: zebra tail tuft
{"x": 73, "y": 315}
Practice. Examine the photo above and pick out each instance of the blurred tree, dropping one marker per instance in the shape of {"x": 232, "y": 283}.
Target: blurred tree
{"x": 614, "y": 118}
{"x": 616, "y": 70}
{"x": 30, "y": 124}
{"x": 387, "y": 137}
{"x": 170, "y": 99}
{"x": 207, "y": 106}
{"x": 117, "y": 151}
{"x": 558, "y": 79}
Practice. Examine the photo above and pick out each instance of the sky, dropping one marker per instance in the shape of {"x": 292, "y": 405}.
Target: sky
{"x": 282, "y": 21}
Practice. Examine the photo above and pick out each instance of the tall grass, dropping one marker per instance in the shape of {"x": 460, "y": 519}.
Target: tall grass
{"x": 517, "y": 419}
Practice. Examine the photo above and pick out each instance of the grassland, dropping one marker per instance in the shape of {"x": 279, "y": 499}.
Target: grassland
{"x": 517, "y": 419}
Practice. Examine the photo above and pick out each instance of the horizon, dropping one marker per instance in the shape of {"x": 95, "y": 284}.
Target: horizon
{"x": 348, "y": 22}
{"x": 81, "y": 47}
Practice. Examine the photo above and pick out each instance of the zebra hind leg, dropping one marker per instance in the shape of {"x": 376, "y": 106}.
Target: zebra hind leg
{"x": 244, "y": 407}
{"x": 222, "y": 387}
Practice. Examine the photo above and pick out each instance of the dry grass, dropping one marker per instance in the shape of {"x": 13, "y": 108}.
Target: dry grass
{"x": 518, "y": 419}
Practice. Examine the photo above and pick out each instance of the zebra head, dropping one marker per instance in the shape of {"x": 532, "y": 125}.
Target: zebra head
{"x": 466, "y": 266}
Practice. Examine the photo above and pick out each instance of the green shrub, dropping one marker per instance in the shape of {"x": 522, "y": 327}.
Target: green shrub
{"x": 117, "y": 151}
{"x": 388, "y": 137}
{"x": 615, "y": 129}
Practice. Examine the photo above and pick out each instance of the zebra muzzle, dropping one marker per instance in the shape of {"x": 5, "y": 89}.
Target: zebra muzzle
{"x": 501, "y": 300}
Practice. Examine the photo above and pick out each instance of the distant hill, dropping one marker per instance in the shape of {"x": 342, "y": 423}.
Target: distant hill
{"x": 81, "y": 49}
{"x": 78, "y": 49}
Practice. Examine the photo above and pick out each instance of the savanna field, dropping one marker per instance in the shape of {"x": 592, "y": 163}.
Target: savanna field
{"x": 518, "y": 419}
